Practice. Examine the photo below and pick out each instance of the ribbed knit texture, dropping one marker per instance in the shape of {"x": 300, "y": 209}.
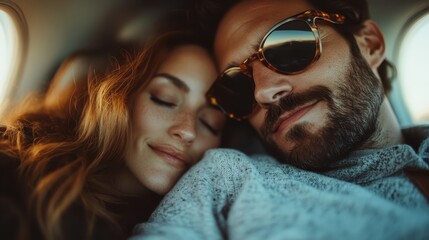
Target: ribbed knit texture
{"x": 229, "y": 195}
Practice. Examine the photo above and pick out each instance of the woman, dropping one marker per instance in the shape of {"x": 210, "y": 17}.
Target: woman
{"x": 98, "y": 163}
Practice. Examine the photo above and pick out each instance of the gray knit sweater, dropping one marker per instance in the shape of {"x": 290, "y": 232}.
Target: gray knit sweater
{"x": 229, "y": 195}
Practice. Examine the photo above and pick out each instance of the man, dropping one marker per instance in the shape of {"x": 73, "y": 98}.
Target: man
{"x": 310, "y": 77}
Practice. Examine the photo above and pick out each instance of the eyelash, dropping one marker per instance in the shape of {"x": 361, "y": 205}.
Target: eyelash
{"x": 210, "y": 128}
{"x": 161, "y": 102}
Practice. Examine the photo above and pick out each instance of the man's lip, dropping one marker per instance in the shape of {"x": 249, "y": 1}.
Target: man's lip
{"x": 173, "y": 155}
{"x": 291, "y": 116}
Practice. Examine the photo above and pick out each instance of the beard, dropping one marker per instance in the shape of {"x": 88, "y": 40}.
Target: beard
{"x": 351, "y": 120}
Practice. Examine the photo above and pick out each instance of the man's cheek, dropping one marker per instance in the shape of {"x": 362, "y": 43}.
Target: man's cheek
{"x": 257, "y": 119}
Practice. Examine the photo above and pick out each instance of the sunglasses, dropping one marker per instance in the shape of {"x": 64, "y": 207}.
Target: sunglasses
{"x": 289, "y": 47}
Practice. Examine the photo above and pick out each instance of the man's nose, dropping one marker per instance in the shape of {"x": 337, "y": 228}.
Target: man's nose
{"x": 270, "y": 86}
{"x": 184, "y": 127}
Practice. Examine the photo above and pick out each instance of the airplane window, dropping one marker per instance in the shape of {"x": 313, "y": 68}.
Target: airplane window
{"x": 13, "y": 46}
{"x": 413, "y": 69}
{"x": 7, "y": 50}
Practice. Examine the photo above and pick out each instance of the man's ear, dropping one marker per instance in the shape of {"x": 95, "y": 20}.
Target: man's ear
{"x": 371, "y": 43}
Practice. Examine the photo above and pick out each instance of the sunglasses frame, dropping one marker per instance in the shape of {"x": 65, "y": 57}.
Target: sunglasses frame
{"x": 309, "y": 17}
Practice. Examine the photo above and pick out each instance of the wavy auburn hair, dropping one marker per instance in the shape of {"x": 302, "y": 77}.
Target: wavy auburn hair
{"x": 68, "y": 151}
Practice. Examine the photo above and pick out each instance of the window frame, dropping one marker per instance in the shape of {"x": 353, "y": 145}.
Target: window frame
{"x": 399, "y": 45}
{"x": 21, "y": 30}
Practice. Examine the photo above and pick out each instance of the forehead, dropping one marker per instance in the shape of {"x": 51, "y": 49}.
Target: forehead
{"x": 244, "y": 26}
{"x": 191, "y": 64}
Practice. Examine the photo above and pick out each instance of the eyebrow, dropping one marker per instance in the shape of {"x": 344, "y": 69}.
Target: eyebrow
{"x": 174, "y": 80}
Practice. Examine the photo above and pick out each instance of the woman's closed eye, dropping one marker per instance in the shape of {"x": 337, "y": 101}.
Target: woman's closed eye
{"x": 162, "y": 102}
{"x": 212, "y": 129}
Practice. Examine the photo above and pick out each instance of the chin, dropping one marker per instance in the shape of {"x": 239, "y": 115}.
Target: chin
{"x": 296, "y": 135}
{"x": 161, "y": 184}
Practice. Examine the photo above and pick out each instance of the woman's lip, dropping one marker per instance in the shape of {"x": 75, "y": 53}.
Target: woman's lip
{"x": 172, "y": 155}
{"x": 292, "y": 116}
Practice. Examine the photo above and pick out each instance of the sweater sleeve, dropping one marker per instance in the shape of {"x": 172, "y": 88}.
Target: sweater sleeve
{"x": 197, "y": 207}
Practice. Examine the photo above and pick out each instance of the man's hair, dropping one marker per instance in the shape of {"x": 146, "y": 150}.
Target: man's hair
{"x": 208, "y": 14}
{"x": 356, "y": 12}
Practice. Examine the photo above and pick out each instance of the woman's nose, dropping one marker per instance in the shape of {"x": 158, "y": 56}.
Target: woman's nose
{"x": 184, "y": 127}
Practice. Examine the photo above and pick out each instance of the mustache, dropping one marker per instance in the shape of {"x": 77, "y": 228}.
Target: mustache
{"x": 290, "y": 102}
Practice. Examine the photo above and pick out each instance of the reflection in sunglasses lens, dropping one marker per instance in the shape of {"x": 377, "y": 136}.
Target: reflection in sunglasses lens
{"x": 290, "y": 47}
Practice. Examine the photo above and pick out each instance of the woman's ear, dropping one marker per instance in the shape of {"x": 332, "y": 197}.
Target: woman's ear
{"x": 371, "y": 43}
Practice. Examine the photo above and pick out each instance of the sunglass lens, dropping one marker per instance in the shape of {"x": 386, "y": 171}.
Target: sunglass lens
{"x": 291, "y": 47}
{"x": 233, "y": 93}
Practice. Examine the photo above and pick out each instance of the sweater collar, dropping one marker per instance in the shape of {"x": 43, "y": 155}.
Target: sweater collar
{"x": 372, "y": 164}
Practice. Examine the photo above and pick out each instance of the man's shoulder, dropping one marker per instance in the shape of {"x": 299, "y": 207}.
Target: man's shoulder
{"x": 236, "y": 164}
{"x": 232, "y": 158}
